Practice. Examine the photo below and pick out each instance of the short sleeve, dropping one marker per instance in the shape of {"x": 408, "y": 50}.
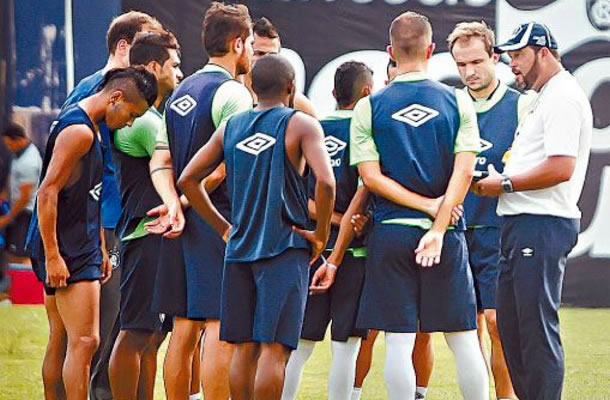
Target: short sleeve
{"x": 162, "y": 133}
{"x": 467, "y": 139}
{"x": 562, "y": 119}
{"x": 525, "y": 102}
{"x": 232, "y": 97}
{"x": 362, "y": 145}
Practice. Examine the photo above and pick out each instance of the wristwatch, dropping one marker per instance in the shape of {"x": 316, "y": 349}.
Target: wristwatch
{"x": 507, "y": 184}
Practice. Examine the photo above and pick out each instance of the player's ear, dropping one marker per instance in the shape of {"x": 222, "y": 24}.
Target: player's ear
{"x": 367, "y": 90}
{"x": 495, "y": 57}
{"x": 390, "y": 51}
{"x": 122, "y": 47}
{"x": 430, "y": 50}
{"x": 335, "y": 94}
{"x": 237, "y": 45}
{"x": 116, "y": 96}
{"x": 155, "y": 68}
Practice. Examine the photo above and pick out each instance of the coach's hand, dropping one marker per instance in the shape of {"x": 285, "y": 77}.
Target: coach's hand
{"x": 169, "y": 222}
{"x": 57, "y": 271}
{"x": 428, "y": 252}
{"x": 490, "y": 186}
{"x": 106, "y": 266}
{"x": 317, "y": 243}
{"x": 323, "y": 278}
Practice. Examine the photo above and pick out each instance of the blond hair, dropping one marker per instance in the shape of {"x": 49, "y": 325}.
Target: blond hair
{"x": 467, "y": 30}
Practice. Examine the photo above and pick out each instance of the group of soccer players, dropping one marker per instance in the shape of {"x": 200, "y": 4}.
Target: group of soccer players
{"x": 237, "y": 221}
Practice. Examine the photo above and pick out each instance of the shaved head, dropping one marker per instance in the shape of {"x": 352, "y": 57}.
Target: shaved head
{"x": 410, "y": 36}
{"x": 272, "y": 76}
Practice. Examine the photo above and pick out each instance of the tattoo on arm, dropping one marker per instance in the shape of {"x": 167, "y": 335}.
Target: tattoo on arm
{"x": 161, "y": 147}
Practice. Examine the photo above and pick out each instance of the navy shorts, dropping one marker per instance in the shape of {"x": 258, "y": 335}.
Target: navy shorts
{"x": 398, "y": 293}
{"x": 339, "y": 304}
{"x": 484, "y": 257}
{"x": 169, "y": 294}
{"x": 87, "y": 272}
{"x": 139, "y": 259}
{"x": 264, "y": 301}
{"x": 204, "y": 252}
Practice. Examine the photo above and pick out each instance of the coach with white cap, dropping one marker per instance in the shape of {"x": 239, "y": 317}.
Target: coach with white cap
{"x": 539, "y": 191}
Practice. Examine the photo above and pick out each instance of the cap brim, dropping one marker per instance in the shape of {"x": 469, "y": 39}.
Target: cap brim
{"x": 508, "y": 46}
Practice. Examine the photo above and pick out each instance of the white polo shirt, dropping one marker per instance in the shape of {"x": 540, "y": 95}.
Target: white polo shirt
{"x": 559, "y": 123}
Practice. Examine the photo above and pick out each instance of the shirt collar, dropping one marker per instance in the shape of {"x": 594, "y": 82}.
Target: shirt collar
{"x": 215, "y": 68}
{"x": 411, "y": 77}
{"x": 339, "y": 114}
{"x": 483, "y": 105}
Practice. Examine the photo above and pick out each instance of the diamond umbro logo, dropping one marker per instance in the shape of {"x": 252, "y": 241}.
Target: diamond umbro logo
{"x": 183, "y": 105}
{"x": 256, "y": 143}
{"x": 415, "y": 115}
{"x": 96, "y": 192}
{"x": 334, "y": 145}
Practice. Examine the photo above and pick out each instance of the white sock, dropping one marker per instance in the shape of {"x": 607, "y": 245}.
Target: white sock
{"x": 195, "y": 396}
{"x": 294, "y": 368}
{"x": 343, "y": 368}
{"x": 421, "y": 390}
{"x": 471, "y": 369}
{"x": 398, "y": 372}
{"x": 356, "y": 393}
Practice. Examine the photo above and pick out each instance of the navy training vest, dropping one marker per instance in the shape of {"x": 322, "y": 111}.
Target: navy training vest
{"x": 268, "y": 196}
{"x": 497, "y": 128}
{"x": 415, "y": 126}
{"x": 78, "y": 205}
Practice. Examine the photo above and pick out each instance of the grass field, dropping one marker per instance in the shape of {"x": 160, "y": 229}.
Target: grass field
{"x": 23, "y": 331}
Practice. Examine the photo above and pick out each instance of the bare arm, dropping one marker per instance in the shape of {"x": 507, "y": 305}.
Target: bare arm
{"x": 552, "y": 171}
{"x": 346, "y": 231}
{"x": 205, "y": 161}
{"x": 430, "y": 246}
{"x": 335, "y": 219}
{"x": 25, "y": 192}
{"x": 384, "y": 186}
{"x": 71, "y": 145}
{"x": 302, "y": 103}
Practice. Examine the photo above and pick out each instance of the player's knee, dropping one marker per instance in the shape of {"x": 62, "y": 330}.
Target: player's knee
{"x": 85, "y": 343}
{"x": 424, "y": 339}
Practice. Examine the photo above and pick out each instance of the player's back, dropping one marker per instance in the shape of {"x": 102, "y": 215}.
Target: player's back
{"x": 415, "y": 125}
{"x": 268, "y": 195}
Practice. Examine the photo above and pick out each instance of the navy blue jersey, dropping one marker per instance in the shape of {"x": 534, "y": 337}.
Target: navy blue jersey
{"x": 336, "y": 140}
{"x": 189, "y": 123}
{"x": 415, "y": 127}
{"x": 497, "y": 128}
{"x": 78, "y": 205}
{"x": 111, "y": 200}
{"x": 268, "y": 196}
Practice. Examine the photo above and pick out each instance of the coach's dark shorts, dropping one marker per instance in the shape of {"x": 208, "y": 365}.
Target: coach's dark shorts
{"x": 397, "y": 290}
{"x": 264, "y": 301}
{"x": 139, "y": 259}
{"x": 204, "y": 252}
{"x": 339, "y": 304}
{"x": 169, "y": 297}
{"x": 16, "y": 233}
{"x": 484, "y": 257}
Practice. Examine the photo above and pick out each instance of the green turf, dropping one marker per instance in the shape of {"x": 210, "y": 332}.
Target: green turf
{"x": 23, "y": 331}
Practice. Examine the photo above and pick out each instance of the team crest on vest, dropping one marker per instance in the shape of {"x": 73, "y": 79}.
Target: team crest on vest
{"x": 333, "y": 145}
{"x": 415, "y": 115}
{"x": 256, "y": 143}
{"x": 183, "y": 105}
{"x": 96, "y": 192}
